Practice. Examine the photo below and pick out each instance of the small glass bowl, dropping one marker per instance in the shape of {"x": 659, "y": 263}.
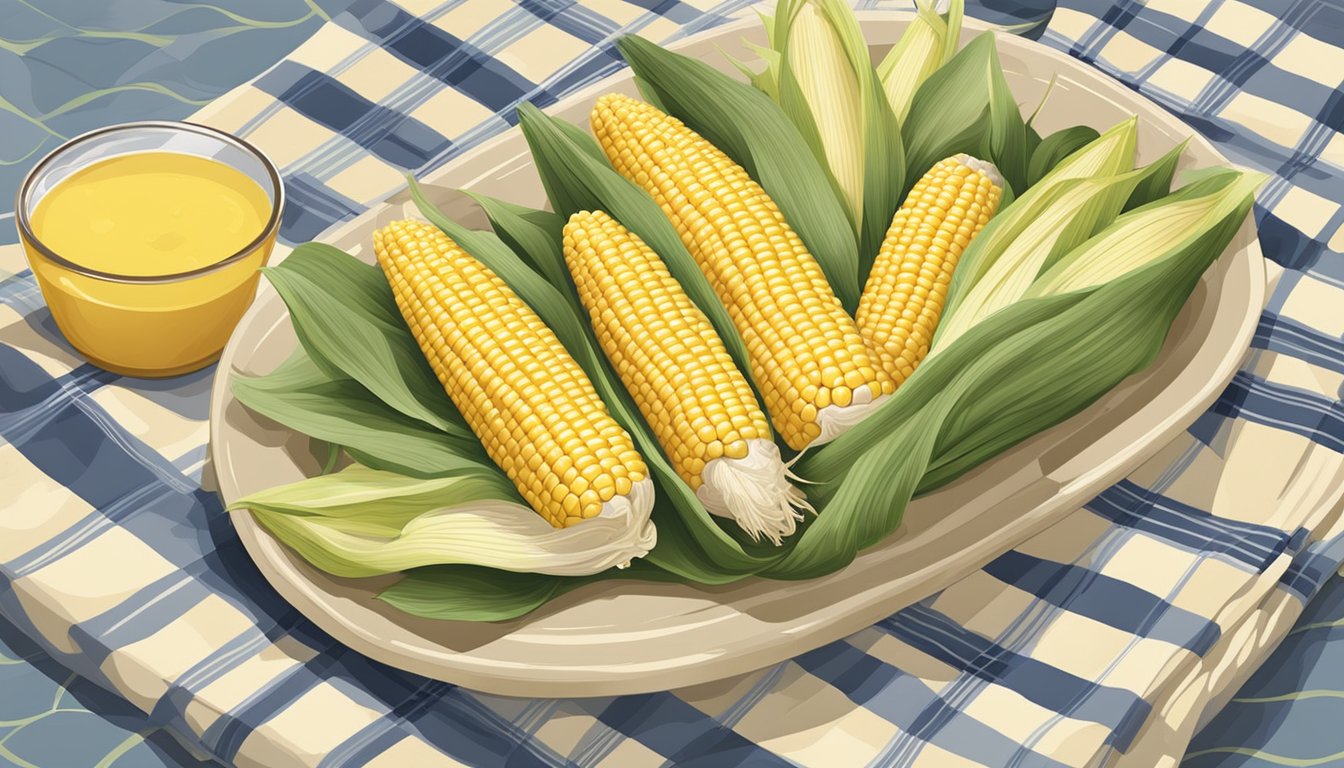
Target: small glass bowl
{"x": 148, "y": 326}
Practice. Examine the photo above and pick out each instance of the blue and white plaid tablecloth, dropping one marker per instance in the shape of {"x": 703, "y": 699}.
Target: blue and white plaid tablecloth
{"x": 1104, "y": 640}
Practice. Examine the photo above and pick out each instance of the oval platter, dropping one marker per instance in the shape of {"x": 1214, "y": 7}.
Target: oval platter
{"x": 630, "y": 637}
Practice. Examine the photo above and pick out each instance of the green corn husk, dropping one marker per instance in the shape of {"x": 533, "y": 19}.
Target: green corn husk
{"x": 1157, "y": 184}
{"x": 1052, "y": 149}
{"x": 1041, "y": 360}
{"x": 1067, "y": 214}
{"x": 927, "y": 44}
{"x": 364, "y": 522}
{"x": 965, "y": 106}
{"x": 1130, "y": 242}
{"x": 303, "y": 397}
{"x": 374, "y": 353}
{"x": 1110, "y": 154}
{"x": 752, "y": 130}
{"x": 527, "y": 231}
{"x": 824, "y": 81}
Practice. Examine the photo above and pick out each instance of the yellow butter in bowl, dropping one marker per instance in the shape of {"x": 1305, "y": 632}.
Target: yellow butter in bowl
{"x": 146, "y": 238}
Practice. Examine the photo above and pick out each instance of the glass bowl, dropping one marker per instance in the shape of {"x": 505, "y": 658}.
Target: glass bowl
{"x": 148, "y": 326}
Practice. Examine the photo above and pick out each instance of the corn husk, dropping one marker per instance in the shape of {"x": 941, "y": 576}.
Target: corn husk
{"x": 822, "y": 77}
{"x": 1069, "y": 212}
{"x": 1109, "y": 154}
{"x": 365, "y": 522}
{"x": 965, "y": 106}
{"x": 1135, "y": 239}
{"x": 1054, "y": 148}
{"x": 927, "y": 44}
{"x": 342, "y": 413}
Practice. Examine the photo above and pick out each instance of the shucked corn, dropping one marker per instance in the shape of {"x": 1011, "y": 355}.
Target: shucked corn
{"x": 904, "y": 295}
{"x": 676, "y": 368}
{"x": 533, "y": 408}
{"x": 814, "y": 370}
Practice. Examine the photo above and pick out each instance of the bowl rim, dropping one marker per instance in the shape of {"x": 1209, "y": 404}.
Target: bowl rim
{"x": 21, "y": 217}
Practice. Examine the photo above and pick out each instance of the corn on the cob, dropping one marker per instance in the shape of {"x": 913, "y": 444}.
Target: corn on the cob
{"x": 535, "y": 412}
{"x": 814, "y": 370}
{"x": 904, "y": 295}
{"x": 679, "y": 373}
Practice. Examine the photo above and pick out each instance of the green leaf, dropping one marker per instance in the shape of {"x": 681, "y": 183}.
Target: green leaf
{"x": 305, "y": 398}
{"x": 966, "y": 106}
{"x": 756, "y": 133}
{"x": 347, "y": 320}
{"x": 472, "y": 593}
{"x": 1157, "y": 184}
{"x": 1057, "y": 146}
{"x": 532, "y": 234}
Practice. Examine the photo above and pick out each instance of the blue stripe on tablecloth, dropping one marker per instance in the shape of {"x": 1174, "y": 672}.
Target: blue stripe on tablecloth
{"x": 226, "y": 735}
{"x": 438, "y": 54}
{"x": 311, "y": 207}
{"x": 1085, "y": 592}
{"x": 396, "y": 138}
{"x": 375, "y": 738}
{"x": 20, "y": 291}
{"x": 1316, "y": 417}
{"x": 1289, "y": 337}
{"x": 1312, "y": 567}
{"x": 900, "y": 698}
{"x": 681, "y": 733}
{"x": 1133, "y": 506}
{"x": 934, "y": 634}
{"x": 572, "y": 18}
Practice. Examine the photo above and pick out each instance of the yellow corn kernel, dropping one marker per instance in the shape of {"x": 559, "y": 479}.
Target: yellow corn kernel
{"x": 698, "y": 404}
{"x": 533, "y": 408}
{"x": 904, "y": 295}
{"x": 800, "y": 342}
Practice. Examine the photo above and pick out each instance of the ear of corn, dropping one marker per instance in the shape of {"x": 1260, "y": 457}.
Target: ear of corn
{"x": 829, "y": 86}
{"x": 814, "y": 370}
{"x": 902, "y": 301}
{"x": 364, "y": 522}
{"x": 679, "y": 374}
{"x": 778, "y": 152}
{"x": 1141, "y": 236}
{"x": 535, "y": 412}
{"x": 820, "y": 73}
{"x": 925, "y": 45}
{"x": 1110, "y": 154}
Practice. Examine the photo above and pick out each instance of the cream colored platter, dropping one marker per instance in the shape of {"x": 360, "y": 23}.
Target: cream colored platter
{"x": 627, "y": 637}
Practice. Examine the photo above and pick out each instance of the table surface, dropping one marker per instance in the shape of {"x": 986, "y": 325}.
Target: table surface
{"x": 68, "y": 66}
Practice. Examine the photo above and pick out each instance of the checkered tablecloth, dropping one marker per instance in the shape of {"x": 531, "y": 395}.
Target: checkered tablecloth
{"x": 1104, "y": 640}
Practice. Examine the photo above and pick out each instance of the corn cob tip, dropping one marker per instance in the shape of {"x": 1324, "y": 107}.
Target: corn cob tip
{"x": 986, "y": 167}
{"x": 755, "y": 492}
{"x": 636, "y": 507}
